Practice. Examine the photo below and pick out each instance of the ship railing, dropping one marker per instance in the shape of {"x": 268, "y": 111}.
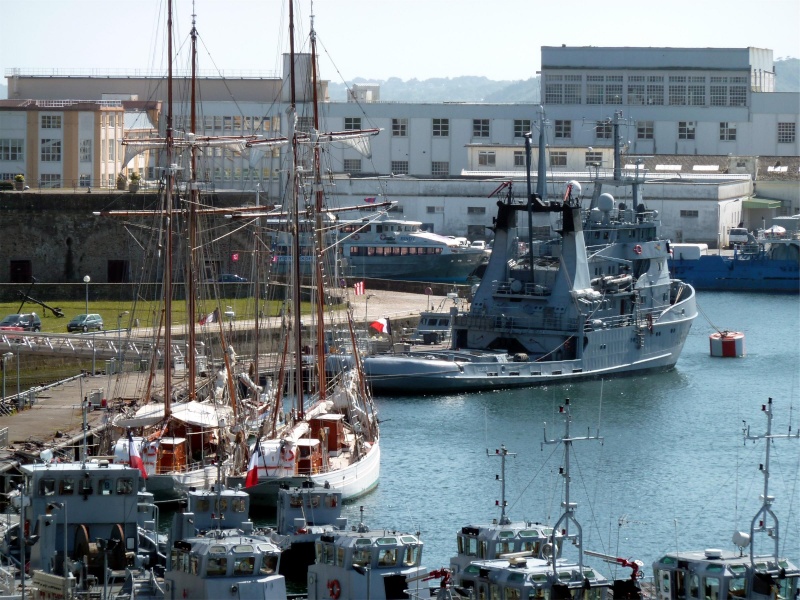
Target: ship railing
{"x": 515, "y": 324}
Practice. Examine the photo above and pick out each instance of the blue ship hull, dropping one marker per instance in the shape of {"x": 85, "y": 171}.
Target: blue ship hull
{"x": 723, "y": 273}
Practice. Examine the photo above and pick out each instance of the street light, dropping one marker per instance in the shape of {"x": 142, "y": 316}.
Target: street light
{"x": 86, "y": 280}
{"x": 119, "y": 338}
{"x": 366, "y": 313}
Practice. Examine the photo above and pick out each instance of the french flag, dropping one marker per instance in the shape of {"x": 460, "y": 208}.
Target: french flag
{"x": 252, "y": 468}
{"x": 134, "y": 457}
{"x": 382, "y": 326}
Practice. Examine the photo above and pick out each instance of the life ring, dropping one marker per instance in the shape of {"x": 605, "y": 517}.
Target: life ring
{"x": 334, "y": 589}
{"x": 356, "y": 236}
{"x": 637, "y": 249}
{"x": 287, "y": 454}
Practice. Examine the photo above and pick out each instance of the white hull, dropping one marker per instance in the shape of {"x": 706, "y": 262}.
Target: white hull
{"x": 352, "y": 481}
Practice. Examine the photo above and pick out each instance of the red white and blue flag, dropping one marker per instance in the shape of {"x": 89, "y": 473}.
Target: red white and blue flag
{"x": 382, "y": 326}
{"x": 134, "y": 457}
{"x": 252, "y": 468}
{"x": 210, "y": 318}
{"x": 370, "y": 200}
{"x": 358, "y": 286}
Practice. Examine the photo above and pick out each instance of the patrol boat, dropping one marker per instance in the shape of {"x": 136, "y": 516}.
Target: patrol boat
{"x": 743, "y": 573}
{"x": 595, "y": 301}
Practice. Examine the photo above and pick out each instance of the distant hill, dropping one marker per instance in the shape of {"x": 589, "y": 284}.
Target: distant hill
{"x": 456, "y": 89}
{"x": 483, "y": 89}
{"x": 787, "y": 72}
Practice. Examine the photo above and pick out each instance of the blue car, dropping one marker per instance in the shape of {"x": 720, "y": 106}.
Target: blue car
{"x": 231, "y": 278}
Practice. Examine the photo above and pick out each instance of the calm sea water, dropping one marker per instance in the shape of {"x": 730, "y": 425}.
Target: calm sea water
{"x": 672, "y": 471}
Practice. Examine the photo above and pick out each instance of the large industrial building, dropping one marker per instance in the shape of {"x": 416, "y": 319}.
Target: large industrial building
{"x": 717, "y": 145}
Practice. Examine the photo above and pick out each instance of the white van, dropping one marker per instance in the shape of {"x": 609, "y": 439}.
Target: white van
{"x": 737, "y": 235}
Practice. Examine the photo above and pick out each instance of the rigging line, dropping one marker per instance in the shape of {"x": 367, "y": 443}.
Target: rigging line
{"x": 705, "y": 316}
{"x": 595, "y": 526}
{"x": 222, "y": 237}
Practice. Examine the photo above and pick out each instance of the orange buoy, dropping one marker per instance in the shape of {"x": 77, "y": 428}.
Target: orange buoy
{"x": 727, "y": 344}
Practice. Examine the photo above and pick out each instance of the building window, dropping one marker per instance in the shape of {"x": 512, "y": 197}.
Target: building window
{"x": 572, "y": 91}
{"x": 434, "y": 209}
{"x": 697, "y": 95}
{"x": 677, "y": 95}
{"x": 11, "y": 148}
{"x": 86, "y": 151}
{"x": 521, "y": 127}
{"x": 440, "y": 168}
{"x": 519, "y": 157}
{"x": 480, "y": 128}
{"x": 655, "y": 89}
{"x": 399, "y": 127}
{"x": 786, "y": 133}
{"x": 395, "y": 209}
{"x": 719, "y": 95}
{"x": 686, "y": 130}
{"x": 603, "y": 130}
{"x": 636, "y": 93}
{"x": 486, "y": 158}
{"x": 352, "y": 165}
{"x": 690, "y": 213}
{"x": 352, "y": 122}
{"x": 644, "y": 130}
{"x": 613, "y": 93}
{"x": 399, "y": 167}
{"x": 594, "y": 92}
{"x": 51, "y": 122}
{"x": 112, "y": 145}
{"x": 727, "y": 132}
{"x": 594, "y": 159}
{"x": 50, "y": 180}
{"x": 563, "y": 129}
{"x": 738, "y": 95}
{"x": 441, "y": 127}
{"x": 476, "y": 210}
{"x": 84, "y": 180}
{"x": 51, "y": 151}
{"x": 554, "y": 89}
{"x": 558, "y": 159}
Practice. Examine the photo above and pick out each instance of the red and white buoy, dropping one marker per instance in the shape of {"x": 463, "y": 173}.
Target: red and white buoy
{"x": 727, "y": 344}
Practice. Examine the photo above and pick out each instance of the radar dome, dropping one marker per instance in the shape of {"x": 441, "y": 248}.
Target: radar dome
{"x": 605, "y": 202}
{"x": 576, "y": 187}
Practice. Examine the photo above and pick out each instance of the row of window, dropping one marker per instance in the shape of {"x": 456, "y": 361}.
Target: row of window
{"x": 84, "y": 486}
{"x": 393, "y": 250}
{"x": 677, "y": 90}
{"x": 645, "y": 130}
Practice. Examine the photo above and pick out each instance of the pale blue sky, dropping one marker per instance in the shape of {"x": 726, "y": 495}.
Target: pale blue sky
{"x": 377, "y": 39}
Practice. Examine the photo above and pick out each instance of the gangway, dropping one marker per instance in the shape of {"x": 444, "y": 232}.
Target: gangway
{"x": 103, "y": 345}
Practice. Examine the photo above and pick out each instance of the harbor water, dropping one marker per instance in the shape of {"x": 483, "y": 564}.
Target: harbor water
{"x": 672, "y": 471}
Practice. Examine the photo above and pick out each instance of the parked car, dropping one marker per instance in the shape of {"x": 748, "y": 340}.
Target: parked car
{"x": 231, "y": 278}
{"x": 86, "y": 323}
{"x": 21, "y": 322}
{"x": 480, "y": 244}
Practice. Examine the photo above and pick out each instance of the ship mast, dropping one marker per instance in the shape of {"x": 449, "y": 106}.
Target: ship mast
{"x": 170, "y": 180}
{"x": 295, "y": 223}
{"x": 568, "y": 515}
{"x": 194, "y": 198}
{"x": 319, "y": 226}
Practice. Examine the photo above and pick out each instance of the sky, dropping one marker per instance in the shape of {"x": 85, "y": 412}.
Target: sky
{"x": 376, "y": 39}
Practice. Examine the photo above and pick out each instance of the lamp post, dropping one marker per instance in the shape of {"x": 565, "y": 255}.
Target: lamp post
{"x": 18, "y": 345}
{"x": 119, "y": 338}
{"x": 86, "y": 280}
{"x": 366, "y": 312}
{"x": 6, "y": 356}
